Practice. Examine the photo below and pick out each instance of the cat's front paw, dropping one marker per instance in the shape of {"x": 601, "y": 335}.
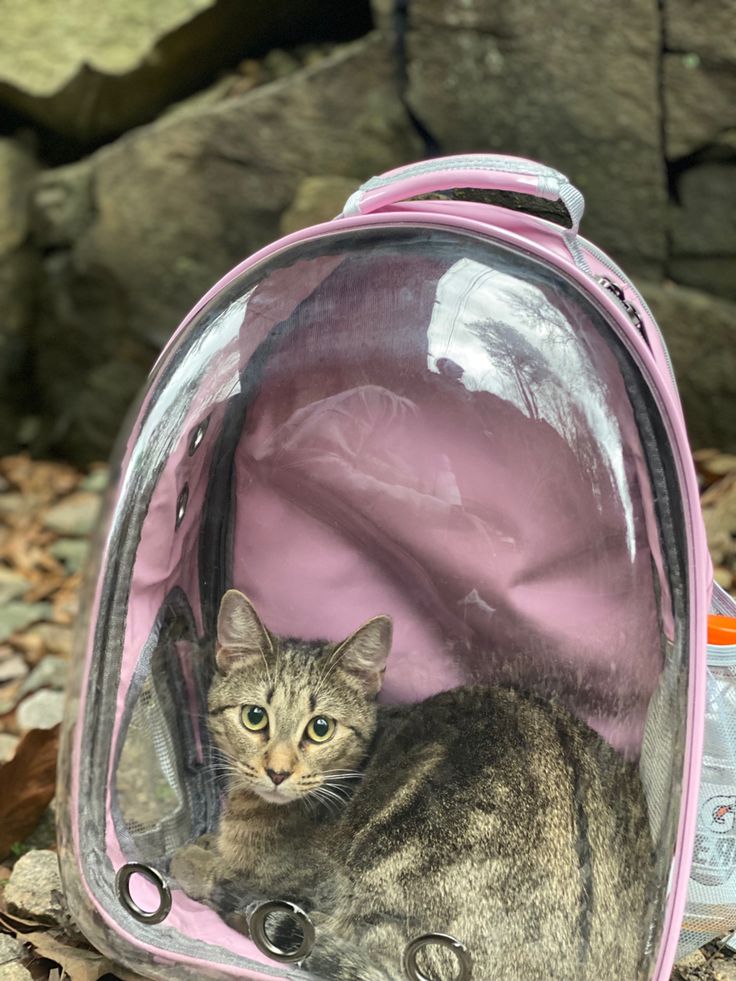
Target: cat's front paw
{"x": 196, "y": 868}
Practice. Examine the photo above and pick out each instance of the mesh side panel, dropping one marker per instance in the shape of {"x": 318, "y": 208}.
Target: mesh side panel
{"x": 711, "y": 898}
{"x": 151, "y": 799}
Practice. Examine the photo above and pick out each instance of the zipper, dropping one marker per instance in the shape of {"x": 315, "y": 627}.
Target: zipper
{"x": 632, "y": 290}
{"x": 631, "y": 311}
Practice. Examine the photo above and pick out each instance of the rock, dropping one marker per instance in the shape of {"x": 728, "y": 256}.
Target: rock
{"x": 488, "y": 77}
{"x": 96, "y": 481}
{"x": 691, "y": 961}
{"x": 17, "y": 616}
{"x": 74, "y": 515}
{"x": 705, "y": 26}
{"x": 317, "y": 199}
{"x": 700, "y": 332}
{"x": 12, "y": 584}
{"x": 12, "y": 667}
{"x": 34, "y": 888}
{"x": 17, "y": 173}
{"x": 56, "y": 639}
{"x": 10, "y": 949}
{"x": 95, "y": 70}
{"x": 703, "y": 244}
{"x": 16, "y": 971}
{"x": 41, "y": 710}
{"x": 180, "y": 202}
{"x": 725, "y": 970}
{"x": 71, "y": 551}
{"x": 50, "y": 672}
{"x": 8, "y": 745}
{"x": 723, "y": 577}
{"x": 700, "y": 103}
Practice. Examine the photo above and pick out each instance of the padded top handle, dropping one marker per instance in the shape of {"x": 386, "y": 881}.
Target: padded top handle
{"x": 484, "y": 171}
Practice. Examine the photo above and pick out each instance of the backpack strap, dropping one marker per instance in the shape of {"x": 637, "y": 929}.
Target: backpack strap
{"x": 484, "y": 171}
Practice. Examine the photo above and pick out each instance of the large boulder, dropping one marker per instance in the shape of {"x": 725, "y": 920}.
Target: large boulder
{"x": 141, "y": 229}
{"x": 91, "y": 70}
{"x": 17, "y": 274}
{"x": 700, "y": 331}
{"x": 567, "y": 83}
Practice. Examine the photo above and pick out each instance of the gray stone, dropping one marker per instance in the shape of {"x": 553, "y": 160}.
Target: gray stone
{"x": 98, "y": 69}
{"x": 700, "y": 331}
{"x": 17, "y": 616}
{"x": 41, "y": 710}
{"x": 691, "y": 961}
{"x": 700, "y": 102}
{"x": 8, "y": 744}
{"x": 703, "y": 239}
{"x": 178, "y": 204}
{"x": 15, "y": 971}
{"x": 50, "y": 672}
{"x": 56, "y": 638}
{"x": 12, "y": 584}
{"x": 572, "y": 93}
{"x": 17, "y": 171}
{"x": 10, "y": 949}
{"x": 71, "y": 551}
{"x": 317, "y": 199}
{"x": 74, "y": 515}
{"x": 704, "y": 26}
{"x": 34, "y": 888}
{"x": 12, "y": 667}
{"x": 97, "y": 481}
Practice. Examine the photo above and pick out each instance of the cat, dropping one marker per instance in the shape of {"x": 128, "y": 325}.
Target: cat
{"x": 485, "y": 813}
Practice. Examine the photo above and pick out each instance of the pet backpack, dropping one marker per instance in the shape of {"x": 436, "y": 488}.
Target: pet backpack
{"x": 434, "y": 407}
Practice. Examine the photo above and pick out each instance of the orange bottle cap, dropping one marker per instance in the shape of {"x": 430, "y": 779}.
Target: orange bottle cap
{"x": 721, "y": 630}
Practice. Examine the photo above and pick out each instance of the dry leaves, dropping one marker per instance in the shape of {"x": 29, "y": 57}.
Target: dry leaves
{"x": 28, "y": 782}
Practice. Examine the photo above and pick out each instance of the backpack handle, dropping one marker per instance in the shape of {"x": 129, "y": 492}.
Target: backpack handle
{"x": 484, "y": 171}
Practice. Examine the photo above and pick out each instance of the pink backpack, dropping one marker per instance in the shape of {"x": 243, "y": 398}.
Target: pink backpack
{"x": 445, "y": 410}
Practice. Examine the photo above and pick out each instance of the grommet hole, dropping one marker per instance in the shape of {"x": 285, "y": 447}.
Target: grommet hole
{"x": 143, "y": 891}
{"x": 419, "y": 958}
{"x": 281, "y": 931}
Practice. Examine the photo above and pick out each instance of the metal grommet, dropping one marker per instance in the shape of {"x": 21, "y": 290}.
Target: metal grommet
{"x": 122, "y": 888}
{"x": 198, "y": 435}
{"x": 461, "y": 952}
{"x": 257, "y": 928}
{"x": 181, "y": 505}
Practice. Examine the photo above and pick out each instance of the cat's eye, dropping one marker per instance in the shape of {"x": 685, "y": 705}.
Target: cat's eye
{"x": 320, "y": 729}
{"x": 254, "y": 717}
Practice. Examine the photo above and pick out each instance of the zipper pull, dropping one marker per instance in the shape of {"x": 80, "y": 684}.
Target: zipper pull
{"x": 631, "y": 311}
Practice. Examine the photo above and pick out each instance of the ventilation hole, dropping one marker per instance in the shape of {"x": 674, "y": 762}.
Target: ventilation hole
{"x": 282, "y": 931}
{"x": 181, "y": 505}
{"x": 122, "y": 886}
{"x": 460, "y": 952}
{"x": 198, "y": 435}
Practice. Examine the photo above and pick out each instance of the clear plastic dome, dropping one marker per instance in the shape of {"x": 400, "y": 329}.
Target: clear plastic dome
{"x": 410, "y": 422}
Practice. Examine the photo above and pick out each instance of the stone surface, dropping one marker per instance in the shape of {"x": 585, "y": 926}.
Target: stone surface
{"x": 548, "y": 80}
{"x": 50, "y": 672}
{"x": 17, "y": 616}
{"x": 10, "y": 949}
{"x": 700, "y": 331}
{"x": 178, "y": 204}
{"x": 34, "y": 888}
{"x": 56, "y": 638}
{"x": 703, "y": 243}
{"x": 700, "y": 103}
{"x": 15, "y": 971}
{"x": 8, "y": 744}
{"x": 16, "y": 179}
{"x": 41, "y": 710}
{"x": 74, "y": 515}
{"x": 317, "y": 199}
{"x": 705, "y": 26}
{"x": 92, "y": 70}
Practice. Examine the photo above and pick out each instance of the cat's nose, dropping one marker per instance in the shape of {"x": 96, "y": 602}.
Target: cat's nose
{"x": 278, "y": 776}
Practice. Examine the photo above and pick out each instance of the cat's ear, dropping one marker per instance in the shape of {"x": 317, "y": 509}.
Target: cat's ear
{"x": 364, "y": 653}
{"x": 240, "y": 633}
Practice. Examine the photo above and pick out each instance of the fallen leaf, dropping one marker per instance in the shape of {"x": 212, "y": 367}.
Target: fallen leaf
{"x": 28, "y": 782}
{"x": 79, "y": 963}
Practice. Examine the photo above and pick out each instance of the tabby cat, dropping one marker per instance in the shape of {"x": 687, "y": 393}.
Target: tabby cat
{"x": 484, "y": 813}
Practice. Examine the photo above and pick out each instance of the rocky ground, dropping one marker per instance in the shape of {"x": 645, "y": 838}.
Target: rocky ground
{"x": 47, "y": 512}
